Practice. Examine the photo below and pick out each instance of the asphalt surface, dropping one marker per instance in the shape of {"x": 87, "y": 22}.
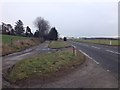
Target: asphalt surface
{"x": 89, "y": 75}
{"x": 103, "y": 55}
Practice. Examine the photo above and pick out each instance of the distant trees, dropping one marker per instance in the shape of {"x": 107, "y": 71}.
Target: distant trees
{"x": 43, "y": 29}
{"x": 43, "y": 26}
{"x": 53, "y": 34}
{"x": 19, "y": 28}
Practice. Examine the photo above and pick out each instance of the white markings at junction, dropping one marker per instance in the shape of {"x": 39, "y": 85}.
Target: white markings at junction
{"x": 112, "y": 52}
{"x": 95, "y": 47}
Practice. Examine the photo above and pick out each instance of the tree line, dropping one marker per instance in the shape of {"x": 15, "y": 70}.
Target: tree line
{"x": 43, "y": 31}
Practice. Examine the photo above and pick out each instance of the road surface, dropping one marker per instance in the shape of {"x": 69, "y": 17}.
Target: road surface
{"x": 105, "y": 56}
{"x": 89, "y": 75}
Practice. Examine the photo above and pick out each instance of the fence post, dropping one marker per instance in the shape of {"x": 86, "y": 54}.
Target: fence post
{"x": 74, "y": 51}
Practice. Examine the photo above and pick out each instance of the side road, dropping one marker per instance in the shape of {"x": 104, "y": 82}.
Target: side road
{"x": 9, "y": 60}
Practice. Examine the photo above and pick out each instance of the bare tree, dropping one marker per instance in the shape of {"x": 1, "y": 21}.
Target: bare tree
{"x": 42, "y": 25}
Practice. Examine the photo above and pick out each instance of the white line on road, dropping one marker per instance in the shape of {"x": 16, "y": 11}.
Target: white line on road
{"x": 95, "y": 47}
{"x": 112, "y": 52}
{"x": 89, "y": 57}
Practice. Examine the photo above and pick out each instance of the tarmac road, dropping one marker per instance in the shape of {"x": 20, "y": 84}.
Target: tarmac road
{"x": 105, "y": 56}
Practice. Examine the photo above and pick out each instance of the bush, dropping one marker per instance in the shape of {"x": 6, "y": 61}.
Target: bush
{"x": 65, "y": 39}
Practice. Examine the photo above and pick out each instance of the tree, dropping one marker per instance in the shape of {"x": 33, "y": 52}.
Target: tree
{"x": 19, "y": 27}
{"x": 53, "y": 34}
{"x": 6, "y": 28}
{"x": 65, "y": 39}
{"x": 12, "y": 32}
{"x": 36, "y": 34}
{"x": 28, "y": 32}
{"x": 42, "y": 25}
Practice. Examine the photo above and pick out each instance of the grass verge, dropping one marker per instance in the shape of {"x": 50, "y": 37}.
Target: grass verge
{"x": 58, "y": 44}
{"x": 98, "y": 41}
{"x": 45, "y": 65}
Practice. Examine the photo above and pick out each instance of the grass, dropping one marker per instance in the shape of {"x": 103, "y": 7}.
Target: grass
{"x": 98, "y": 41}
{"x": 58, "y": 44}
{"x": 44, "y": 65}
{"x": 7, "y": 38}
{"x": 18, "y": 43}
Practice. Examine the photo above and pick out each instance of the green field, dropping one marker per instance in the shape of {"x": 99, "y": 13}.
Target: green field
{"x": 11, "y": 44}
{"x": 45, "y": 65}
{"x": 7, "y": 38}
{"x": 99, "y": 41}
{"x": 58, "y": 44}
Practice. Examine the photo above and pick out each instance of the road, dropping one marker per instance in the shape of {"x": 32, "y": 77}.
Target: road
{"x": 89, "y": 75}
{"x": 105, "y": 56}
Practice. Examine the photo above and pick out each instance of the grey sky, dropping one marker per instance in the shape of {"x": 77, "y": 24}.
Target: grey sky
{"x": 70, "y": 18}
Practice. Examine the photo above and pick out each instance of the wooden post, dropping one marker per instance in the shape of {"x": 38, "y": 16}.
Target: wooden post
{"x": 74, "y": 51}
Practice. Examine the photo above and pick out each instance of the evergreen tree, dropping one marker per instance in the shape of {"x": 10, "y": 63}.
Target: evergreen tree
{"x": 53, "y": 34}
{"x": 19, "y": 28}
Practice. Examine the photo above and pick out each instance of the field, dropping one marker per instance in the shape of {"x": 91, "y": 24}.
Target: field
{"x": 99, "y": 41}
{"x": 45, "y": 65}
{"x": 58, "y": 44}
{"x": 8, "y": 38}
{"x": 11, "y": 44}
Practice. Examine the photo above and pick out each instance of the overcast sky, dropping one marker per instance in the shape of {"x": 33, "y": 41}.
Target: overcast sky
{"x": 70, "y": 17}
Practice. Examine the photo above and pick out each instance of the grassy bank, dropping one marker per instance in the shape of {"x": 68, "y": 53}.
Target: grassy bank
{"x": 98, "y": 41}
{"x": 7, "y": 39}
{"x": 58, "y": 44}
{"x": 45, "y": 65}
{"x": 12, "y": 44}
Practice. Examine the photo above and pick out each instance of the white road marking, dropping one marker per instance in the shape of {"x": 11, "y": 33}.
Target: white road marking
{"x": 89, "y": 57}
{"x": 95, "y": 47}
{"x": 112, "y": 52}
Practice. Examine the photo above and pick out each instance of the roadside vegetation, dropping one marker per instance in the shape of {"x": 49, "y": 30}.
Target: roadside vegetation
{"x": 45, "y": 65}
{"x": 99, "y": 41}
{"x": 12, "y": 44}
{"x": 58, "y": 44}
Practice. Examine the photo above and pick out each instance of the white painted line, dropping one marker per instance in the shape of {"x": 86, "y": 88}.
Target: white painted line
{"x": 73, "y": 46}
{"x": 95, "y": 47}
{"x": 112, "y": 52}
{"x": 89, "y": 57}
